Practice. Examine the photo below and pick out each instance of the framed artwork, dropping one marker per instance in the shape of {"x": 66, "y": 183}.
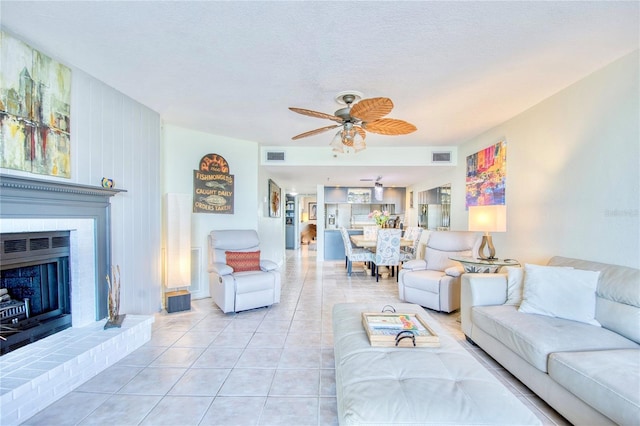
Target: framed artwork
{"x": 35, "y": 110}
{"x": 275, "y": 197}
{"x": 487, "y": 176}
{"x": 411, "y": 199}
{"x": 313, "y": 211}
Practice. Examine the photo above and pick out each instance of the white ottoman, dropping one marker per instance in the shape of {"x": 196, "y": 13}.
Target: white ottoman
{"x": 443, "y": 385}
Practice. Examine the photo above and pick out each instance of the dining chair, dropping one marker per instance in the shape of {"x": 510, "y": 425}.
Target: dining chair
{"x": 410, "y": 232}
{"x": 353, "y": 254}
{"x": 370, "y": 232}
{"x": 410, "y": 252}
{"x": 346, "y": 241}
{"x": 387, "y": 249}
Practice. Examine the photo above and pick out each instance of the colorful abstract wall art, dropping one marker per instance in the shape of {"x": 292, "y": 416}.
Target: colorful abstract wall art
{"x": 35, "y": 105}
{"x": 486, "y": 176}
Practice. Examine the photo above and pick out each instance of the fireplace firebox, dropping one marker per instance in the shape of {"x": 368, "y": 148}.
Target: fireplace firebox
{"x": 34, "y": 287}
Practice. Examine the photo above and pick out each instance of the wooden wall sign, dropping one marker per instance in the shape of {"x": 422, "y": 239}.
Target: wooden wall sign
{"x": 213, "y": 186}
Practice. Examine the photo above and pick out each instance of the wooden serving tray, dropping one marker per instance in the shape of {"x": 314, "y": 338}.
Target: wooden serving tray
{"x": 398, "y": 330}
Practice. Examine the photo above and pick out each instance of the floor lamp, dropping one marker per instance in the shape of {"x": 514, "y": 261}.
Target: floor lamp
{"x": 177, "y": 215}
{"x": 487, "y": 219}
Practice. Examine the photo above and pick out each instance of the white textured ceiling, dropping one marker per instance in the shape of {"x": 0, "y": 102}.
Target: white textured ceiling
{"x": 454, "y": 69}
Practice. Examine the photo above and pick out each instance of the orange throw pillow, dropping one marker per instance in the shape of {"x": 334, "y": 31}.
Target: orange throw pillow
{"x": 243, "y": 260}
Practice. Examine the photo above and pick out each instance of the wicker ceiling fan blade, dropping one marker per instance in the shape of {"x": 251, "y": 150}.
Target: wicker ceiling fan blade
{"x": 361, "y": 132}
{"x": 315, "y": 132}
{"x": 390, "y": 126}
{"x": 316, "y": 114}
{"x": 371, "y": 109}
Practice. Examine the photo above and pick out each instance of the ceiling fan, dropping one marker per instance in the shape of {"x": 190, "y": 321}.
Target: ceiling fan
{"x": 356, "y": 118}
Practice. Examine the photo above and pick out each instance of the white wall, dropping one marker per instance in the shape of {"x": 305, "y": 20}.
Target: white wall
{"x": 182, "y": 150}
{"x": 572, "y": 172}
{"x": 270, "y": 229}
{"x": 114, "y": 136}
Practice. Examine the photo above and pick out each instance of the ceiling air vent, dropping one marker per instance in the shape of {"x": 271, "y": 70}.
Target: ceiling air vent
{"x": 275, "y": 155}
{"x": 441, "y": 157}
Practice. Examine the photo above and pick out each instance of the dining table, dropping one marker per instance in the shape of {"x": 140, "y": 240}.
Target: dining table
{"x": 369, "y": 243}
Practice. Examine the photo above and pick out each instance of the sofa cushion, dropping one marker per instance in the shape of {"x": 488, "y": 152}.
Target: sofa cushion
{"x": 515, "y": 281}
{"x": 618, "y": 295}
{"x": 609, "y": 381}
{"x": 231, "y": 240}
{"x": 424, "y": 280}
{"x": 560, "y": 292}
{"x": 252, "y": 281}
{"x": 533, "y": 337}
{"x": 242, "y": 261}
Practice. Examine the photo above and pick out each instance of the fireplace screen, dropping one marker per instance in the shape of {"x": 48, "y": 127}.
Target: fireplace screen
{"x": 34, "y": 287}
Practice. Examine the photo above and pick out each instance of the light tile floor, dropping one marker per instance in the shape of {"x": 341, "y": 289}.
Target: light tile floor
{"x": 269, "y": 366}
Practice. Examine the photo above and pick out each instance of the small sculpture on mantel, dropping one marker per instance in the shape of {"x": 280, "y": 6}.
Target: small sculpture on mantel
{"x": 113, "y": 299}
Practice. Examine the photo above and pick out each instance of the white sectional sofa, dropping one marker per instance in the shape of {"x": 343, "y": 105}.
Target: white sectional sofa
{"x": 582, "y": 360}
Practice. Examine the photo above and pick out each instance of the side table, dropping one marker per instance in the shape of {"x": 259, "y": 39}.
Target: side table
{"x": 483, "y": 266}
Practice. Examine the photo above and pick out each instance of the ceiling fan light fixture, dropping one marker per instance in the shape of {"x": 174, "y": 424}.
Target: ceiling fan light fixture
{"x": 361, "y": 146}
{"x": 378, "y": 191}
{"x": 358, "y": 117}
{"x": 336, "y": 143}
{"x": 347, "y": 141}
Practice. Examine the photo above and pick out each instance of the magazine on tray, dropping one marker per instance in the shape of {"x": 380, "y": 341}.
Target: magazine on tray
{"x": 389, "y": 329}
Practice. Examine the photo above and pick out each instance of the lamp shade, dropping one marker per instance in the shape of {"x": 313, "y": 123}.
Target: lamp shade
{"x": 488, "y": 218}
{"x": 178, "y": 240}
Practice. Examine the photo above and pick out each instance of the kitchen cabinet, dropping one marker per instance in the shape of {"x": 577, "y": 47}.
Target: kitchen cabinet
{"x": 335, "y": 195}
{"x": 395, "y": 196}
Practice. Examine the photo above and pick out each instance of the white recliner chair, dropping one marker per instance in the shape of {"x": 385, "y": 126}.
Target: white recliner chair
{"x": 434, "y": 282}
{"x": 238, "y": 278}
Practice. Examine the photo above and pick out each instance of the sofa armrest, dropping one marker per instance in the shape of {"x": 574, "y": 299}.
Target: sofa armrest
{"x": 454, "y": 271}
{"x": 220, "y": 268}
{"x": 480, "y": 290}
{"x": 268, "y": 265}
{"x": 415, "y": 265}
{"x": 486, "y": 289}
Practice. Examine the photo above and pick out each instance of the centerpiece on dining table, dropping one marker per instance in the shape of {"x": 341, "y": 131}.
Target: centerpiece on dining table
{"x": 381, "y": 217}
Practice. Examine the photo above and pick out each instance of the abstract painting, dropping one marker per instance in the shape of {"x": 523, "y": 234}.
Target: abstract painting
{"x": 35, "y": 106}
{"x": 486, "y": 176}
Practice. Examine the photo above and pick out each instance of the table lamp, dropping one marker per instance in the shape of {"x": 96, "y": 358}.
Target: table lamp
{"x": 487, "y": 219}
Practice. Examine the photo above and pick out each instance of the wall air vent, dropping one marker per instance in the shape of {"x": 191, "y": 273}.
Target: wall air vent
{"x": 275, "y": 155}
{"x": 441, "y": 157}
